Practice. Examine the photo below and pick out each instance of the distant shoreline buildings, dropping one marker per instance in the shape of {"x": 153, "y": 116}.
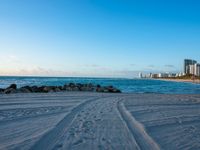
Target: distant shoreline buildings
{"x": 190, "y": 68}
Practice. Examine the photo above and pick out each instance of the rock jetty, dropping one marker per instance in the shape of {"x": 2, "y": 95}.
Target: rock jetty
{"x": 67, "y": 87}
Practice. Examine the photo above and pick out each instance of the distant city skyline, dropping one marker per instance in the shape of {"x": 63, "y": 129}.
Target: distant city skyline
{"x": 97, "y": 38}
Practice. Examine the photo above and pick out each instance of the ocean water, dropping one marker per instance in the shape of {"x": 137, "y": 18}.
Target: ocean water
{"x": 125, "y": 85}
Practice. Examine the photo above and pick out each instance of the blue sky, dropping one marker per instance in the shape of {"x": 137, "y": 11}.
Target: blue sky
{"x": 109, "y": 38}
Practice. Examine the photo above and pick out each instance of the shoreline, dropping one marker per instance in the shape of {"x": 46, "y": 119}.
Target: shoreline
{"x": 197, "y": 81}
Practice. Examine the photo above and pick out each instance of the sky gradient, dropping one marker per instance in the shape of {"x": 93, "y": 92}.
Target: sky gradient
{"x": 97, "y": 38}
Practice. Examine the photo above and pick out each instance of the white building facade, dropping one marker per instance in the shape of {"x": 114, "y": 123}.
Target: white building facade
{"x": 192, "y": 69}
{"x": 197, "y": 69}
{"x": 140, "y": 75}
{"x": 163, "y": 75}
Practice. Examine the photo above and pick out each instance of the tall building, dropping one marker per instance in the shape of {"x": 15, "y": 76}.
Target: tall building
{"x": 140, "y": 75}
{"x": 192, "y": 69}
{"x": 197, "y": 69}
{"x": 187, "y": 63}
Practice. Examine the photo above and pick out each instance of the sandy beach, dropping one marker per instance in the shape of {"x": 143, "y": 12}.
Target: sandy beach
{"x": 196, "y": 81}
{"x": 83, "y": 120}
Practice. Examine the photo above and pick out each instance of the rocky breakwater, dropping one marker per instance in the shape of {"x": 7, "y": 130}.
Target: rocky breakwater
{"x": 67, "y": 87}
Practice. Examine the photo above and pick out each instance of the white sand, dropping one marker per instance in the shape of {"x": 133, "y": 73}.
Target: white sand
{"x": 197, "y": 81}
{"x": 81, "y": 120}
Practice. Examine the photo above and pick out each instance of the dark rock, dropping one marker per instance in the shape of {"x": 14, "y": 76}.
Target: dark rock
{"x": 41, "y": 89}
{"x": 86, "y": 89}
{"x": 9, "y": 91}
{"x": 57, "y": 89}
{"x": 72, "y": 85}
{"x": 90, "y": 85}
{"x": 67, "y": 87}
{"x": 114, "y": 90}
{"x": 99, "y": 89}
{"x": 13, "y": 86}
{"x": 27, "y": 88}
{"x": 61, "y": 88}
{"x": 79, "y": 85}
{"x": 105, "y": 90}
{"x": 47, "y": 89}
{"x": 75, "y": 88}
{"x": 24, "y": 90}
{"x": 34, "y": 89}
{"x": 1, "y": 90}
{"x": 98, "y": 86}
{"x": 109, "y": 89}
{"x": 118, "y": 91}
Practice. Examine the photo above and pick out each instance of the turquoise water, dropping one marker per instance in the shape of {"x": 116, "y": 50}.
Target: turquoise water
{"x": 125, "y": 85}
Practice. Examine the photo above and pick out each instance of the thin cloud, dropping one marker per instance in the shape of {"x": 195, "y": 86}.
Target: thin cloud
{"x": 150, "y": 66}
{"x": 169, "y": 66}
{"x": 91, "y": 65}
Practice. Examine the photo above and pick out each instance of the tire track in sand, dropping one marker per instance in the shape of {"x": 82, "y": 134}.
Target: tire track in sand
{"x": 48, "y": 141}
{"x": 100, "y": 123}
{"x": 144, "y": 141}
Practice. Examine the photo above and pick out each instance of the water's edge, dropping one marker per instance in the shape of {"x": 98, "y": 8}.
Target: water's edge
{"x": 125, "y": 85}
